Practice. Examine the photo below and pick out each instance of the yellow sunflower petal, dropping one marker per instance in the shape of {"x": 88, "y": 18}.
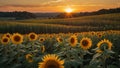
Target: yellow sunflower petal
{"x": 109, "y": 44}
{"x": 86, "y": 43}
{"x": 51, "y": 61}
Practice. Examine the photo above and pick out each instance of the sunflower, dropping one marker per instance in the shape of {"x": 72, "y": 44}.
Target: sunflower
{"x": 7, "y": 35}
{"x": 29, "y": 58}
{"x": 32, "y": 36}
{"x": 51, "y": 61}
{"x": 104, "y": 44}
{"x": 41, "y": 39}
{"x": 73, "y": 40}
{"x": 59, "y": 39}
{"x": 86, "y": 43}
{"x": 43, "y": 49}
{"x": 99, "y": 35}
{"x": 5, "y": 40}
{"x": 50, "y": 36}
{"x": 17, "y": 38}
{"x": 92, "y": 33}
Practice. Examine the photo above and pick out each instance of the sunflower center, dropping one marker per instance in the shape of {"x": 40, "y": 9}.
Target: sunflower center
{"x": 60, "y": 39}
{"x": 8, "y": 36}
{"x": 52, "y": 64}
{"x": 72, "y": 40}
{"x": 84, "y": 42}
{"x": 17, "y": 38}
{"x": 5, "y": 40}
{"x": 41, "y": 39}
{"x": 32, "y": 36}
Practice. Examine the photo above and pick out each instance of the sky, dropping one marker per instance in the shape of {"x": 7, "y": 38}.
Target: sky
{"x": 57, "y": 5}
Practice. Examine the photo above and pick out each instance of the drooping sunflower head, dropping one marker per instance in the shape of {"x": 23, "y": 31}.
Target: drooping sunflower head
{"x": 41, "y": 39}
{"x": 5, "y": 40}
{"x": 59, "y": 39}
{"x": 32, "y": 36}
{"x": 51, "y": 61}
{"x": 17, "y": 38}
{"x": 43, "y": 49}
{"x": 85, "y": 43}
{"x": 7, "y": 35}
{"x": 104, "y": 44}
{"x": 73, "y": 40}
{"x": 29, "y": 58}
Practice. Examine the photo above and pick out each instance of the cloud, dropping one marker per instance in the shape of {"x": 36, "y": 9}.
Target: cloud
{"x": 26, "y": 6}
{"x": 54, "y": 2}
{"x": 46, "y": 4}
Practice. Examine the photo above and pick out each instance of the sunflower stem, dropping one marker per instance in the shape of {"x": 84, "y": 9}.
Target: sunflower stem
{"x": 18, "y": 49}
{"x": 33, "y": 47}
{"x": 104, "y": 62}
{"x": 6, "y": 51}
{"x": 82, "y": 61}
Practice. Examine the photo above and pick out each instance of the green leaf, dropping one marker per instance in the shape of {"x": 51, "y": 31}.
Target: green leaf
{"x": 112, "y": 66}
{"x": 96, "y": 55}
{"x": 17, "y": 66}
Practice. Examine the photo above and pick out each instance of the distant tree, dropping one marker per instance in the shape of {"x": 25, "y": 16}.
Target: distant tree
{"x": 18, "y": 15}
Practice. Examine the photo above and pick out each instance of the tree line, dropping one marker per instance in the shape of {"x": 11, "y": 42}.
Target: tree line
{"x": 18, "y": 15}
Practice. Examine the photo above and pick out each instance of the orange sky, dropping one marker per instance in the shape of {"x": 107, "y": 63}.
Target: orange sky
{"x": 56, "y": 5}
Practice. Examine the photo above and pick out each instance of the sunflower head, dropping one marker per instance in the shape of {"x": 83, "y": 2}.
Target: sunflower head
{"x": 7, "y": 35}
{"x": 51, "y": 61}
{"x": 93, "y": 33}
{"x": 43, "y": 49}
{"x": 104, "y": 44}
{"x": 73, "y": 40}
{"x": 50, "y": 36}
{"x": 99, "y": 35}
{"x": 32, "y": 36}
{"x": 17, "y": 38}
{"x": 86, "y": 43}
{"x": 41, "y": 39}
{"x": 5, "y": 40}
{"x": 59, "y": 39}
{"x": 29, "y": 58}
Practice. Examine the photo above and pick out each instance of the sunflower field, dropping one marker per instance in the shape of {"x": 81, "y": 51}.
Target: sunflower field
{"x": 64, "y": 50}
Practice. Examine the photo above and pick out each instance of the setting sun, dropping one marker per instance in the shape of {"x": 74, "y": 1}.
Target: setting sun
{"x": 68, "y": 10}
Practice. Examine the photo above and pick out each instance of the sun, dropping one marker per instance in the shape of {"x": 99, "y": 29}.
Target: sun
{"x": 68, "y": 10}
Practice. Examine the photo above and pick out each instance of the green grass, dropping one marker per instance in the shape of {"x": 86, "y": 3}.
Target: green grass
{"x": 87, "y": 23}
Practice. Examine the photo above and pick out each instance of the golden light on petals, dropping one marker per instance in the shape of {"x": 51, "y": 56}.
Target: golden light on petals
{"x": 59, "y": 39}
{"x": 86, "y": 43}
{"x": 7, "y": 35}
{"x": 17, "y": 38}
{"x": 73, "y": 40}
{"x": 32, "y": 36}
{"x": 41, "y": 39}
{"x": 5, "y": 40}
{"x": 29, "y": 58}
{"x": 43, "y": 49}
{"x": 51, "y": 61}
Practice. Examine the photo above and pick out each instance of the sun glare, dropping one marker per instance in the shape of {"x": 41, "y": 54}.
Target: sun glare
{"x": 68, "y": 10}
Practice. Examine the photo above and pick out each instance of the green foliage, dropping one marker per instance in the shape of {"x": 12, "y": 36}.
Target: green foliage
{"x": 80, "y": 24}
{"x": 14, "y": 56}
